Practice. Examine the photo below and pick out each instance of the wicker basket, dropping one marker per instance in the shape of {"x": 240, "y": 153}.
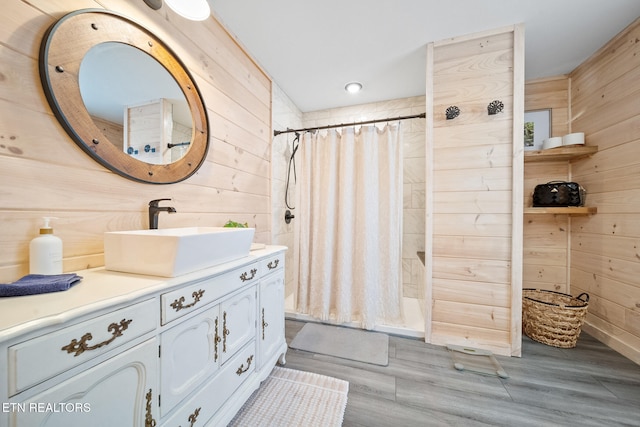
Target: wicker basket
{"x": 553, "y": 318}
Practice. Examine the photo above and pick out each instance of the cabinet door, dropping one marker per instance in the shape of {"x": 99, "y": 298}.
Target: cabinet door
{"x": 121, "y": 391}
{"x": 271, "y": 316}
{"x": 238, "y": 315}
{"x": 190, "y": 353}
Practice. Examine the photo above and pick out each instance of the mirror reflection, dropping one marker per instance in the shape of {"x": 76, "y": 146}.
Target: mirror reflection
{"x": 136, "y": 103}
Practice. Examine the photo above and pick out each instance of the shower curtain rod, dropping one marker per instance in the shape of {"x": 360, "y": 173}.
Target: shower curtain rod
{"x": 417, "y": 116}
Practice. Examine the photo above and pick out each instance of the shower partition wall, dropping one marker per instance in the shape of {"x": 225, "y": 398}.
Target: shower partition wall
{"x": 474, "y": 197}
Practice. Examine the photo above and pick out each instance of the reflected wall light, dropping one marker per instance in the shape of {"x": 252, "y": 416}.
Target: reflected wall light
{"x": 195, "y": 10}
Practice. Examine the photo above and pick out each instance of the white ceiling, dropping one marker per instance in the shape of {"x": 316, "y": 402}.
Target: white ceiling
{"x": 311, "y": 49}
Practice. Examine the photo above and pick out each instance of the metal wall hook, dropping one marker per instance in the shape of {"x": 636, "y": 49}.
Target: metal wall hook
{"x": 495, "y": 107}
{"x": 452, "y": 112}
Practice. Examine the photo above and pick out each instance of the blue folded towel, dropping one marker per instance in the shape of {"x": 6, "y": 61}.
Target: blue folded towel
{"x": 39, "y": 284}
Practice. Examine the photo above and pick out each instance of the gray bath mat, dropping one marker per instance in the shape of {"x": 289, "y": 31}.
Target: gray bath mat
{"x": 475, "y": 360}
{"x": 347, "y": 343}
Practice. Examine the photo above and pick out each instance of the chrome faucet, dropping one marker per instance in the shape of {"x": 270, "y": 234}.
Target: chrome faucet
{"x": 154, "y": 210}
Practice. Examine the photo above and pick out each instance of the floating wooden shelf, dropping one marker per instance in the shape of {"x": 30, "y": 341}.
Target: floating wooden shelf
{"x": 560, "y": 153}
{"x": 574, "y": 210}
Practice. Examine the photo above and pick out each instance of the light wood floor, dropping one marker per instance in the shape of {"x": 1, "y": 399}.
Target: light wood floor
{"x": 590, "y": 385}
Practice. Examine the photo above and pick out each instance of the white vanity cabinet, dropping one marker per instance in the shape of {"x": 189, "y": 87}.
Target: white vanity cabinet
{"x": 130, "y": 350}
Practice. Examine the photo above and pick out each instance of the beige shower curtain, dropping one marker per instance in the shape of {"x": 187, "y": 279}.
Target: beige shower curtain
{"x": 350, "y": 212}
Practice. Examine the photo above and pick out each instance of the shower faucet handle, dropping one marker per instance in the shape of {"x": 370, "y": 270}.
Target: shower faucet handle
{"x": 288, "y": 216}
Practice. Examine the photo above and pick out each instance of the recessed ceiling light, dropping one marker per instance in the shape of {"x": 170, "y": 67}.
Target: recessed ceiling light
{"x": 353, "y": 87}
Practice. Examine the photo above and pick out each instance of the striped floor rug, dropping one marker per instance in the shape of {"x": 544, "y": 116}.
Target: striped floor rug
{"x": 295, "y": 398}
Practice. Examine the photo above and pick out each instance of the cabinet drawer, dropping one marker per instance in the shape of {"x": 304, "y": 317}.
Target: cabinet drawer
{"x": 180, "y": 302}
{"x": 204, "y": 404}
{"x": 63, "y": 349}
{"x": 272, "y": 263}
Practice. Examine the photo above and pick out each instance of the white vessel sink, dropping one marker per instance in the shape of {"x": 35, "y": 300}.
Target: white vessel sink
{"x": 172, "y": 252}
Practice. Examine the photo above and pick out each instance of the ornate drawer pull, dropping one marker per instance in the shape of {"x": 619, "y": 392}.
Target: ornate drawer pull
{"x": 273, "y": 264}
{"x": 216, "y": 340}
{"x": 194, "y": 417}
{"x": 79, "y": 347}
{"x": 225, "y": 332}
{"x": 148, "y": 417}
{"x": 241, "y": 370}
{"x": 177, "y": 304}
{"x": 244, "y": 277}
{"x": 264, "y": 324}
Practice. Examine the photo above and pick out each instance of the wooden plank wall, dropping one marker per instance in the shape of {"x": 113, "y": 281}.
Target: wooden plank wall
{"x": 546, "y": 237}
{"x": 605, "y": 259}
{"x": 470, "y": 165}
{"x": 113, "y": 131}
{"x": 44, "y": 173}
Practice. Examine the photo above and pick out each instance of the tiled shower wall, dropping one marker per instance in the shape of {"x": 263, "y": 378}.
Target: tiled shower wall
{"x": 287, "y": 115}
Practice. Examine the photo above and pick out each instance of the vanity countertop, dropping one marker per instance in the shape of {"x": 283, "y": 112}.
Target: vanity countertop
{"x": 99, "y": 289}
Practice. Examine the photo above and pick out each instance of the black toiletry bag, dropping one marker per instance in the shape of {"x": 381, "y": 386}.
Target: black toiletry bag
{"x": 559, "y": 194}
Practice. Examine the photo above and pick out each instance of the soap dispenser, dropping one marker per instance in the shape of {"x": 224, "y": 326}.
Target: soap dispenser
{"x": 45, "y": 251}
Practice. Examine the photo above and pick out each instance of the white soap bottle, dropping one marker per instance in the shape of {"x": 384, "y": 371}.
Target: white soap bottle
{"x": 45, "y": 251}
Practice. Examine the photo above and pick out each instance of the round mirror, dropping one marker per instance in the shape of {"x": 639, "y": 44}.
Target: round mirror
{"x": 136, "y": 103}
{"x": 124, "y": 97}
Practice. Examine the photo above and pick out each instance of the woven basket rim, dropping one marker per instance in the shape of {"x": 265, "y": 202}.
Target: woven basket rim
{"x": 584, "y": 304}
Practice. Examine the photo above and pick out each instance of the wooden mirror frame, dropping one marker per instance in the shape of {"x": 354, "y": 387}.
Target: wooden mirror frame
{"x": 64, "y": 46}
